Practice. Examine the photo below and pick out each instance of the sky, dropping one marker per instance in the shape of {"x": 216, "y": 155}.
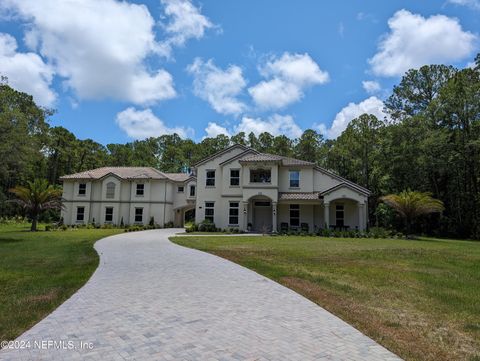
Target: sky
{"x": 116, "y": 71}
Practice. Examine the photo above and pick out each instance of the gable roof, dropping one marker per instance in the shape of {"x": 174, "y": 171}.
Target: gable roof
{"x": 178, "y": 177}
{"x": 238, "y": 156}
{"x": 219, "y": 153}
{"x": 119, "y": 172}
{"x": 347, "y": 184}
{"x": 266, "y": 157}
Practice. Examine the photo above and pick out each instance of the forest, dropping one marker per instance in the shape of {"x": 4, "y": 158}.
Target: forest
{"x": 429, "y": 141}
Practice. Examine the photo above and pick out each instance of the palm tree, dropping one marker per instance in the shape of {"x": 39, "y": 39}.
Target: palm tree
{"x": 37, "y": 197}
{"x": 411, "y": 204}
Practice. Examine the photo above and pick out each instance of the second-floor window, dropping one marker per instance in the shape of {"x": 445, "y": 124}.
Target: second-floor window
{"x": 82, "y": 189}
{"x": 180, "y": 189}
{"x": 192, "y": 191}
{"x": 110, "y": 190}
{"x": 260, "y": 175}
{"x": 234, "y": 177}
{"x": 210, "y": 180}
{"x": 294, "y": 179}
{"x": 140, "y": 189}
{"x": 109, "y": 214}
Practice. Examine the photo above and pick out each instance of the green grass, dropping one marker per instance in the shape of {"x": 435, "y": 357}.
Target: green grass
{"x": 39, "y": 271}
{"x": 418, "y": 298}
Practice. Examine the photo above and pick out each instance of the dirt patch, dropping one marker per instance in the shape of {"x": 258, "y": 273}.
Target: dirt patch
{"x": 49, "y": 296}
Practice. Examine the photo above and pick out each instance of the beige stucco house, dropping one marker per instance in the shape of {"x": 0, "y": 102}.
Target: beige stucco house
{"x": 236, "y": 187}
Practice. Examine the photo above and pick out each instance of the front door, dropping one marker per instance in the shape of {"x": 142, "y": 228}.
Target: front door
{"x": 262, "y": 216}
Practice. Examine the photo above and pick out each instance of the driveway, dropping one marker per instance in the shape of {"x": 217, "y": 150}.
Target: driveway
{"x": 153, "y": 300}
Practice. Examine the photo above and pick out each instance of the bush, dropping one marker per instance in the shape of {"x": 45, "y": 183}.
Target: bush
{"x": 207, "y": 226}
{"x": 190, "y": 227}
{"x": 169, "y": 225}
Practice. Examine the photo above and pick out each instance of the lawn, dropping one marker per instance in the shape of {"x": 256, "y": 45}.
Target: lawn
{"x": 418, "y": 298}
{"x": 39, "y": 271}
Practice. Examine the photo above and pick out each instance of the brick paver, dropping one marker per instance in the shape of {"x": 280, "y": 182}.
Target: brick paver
{"x": 153, "y": 300}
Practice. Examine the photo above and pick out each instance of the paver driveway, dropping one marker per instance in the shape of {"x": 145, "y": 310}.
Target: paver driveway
{"x": 153, "y": 300}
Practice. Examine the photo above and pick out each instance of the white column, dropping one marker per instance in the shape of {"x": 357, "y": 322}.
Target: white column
{"x": 361, "y": 218}
{"x": 274, "y": 217}
{"x": 326, "y": 215}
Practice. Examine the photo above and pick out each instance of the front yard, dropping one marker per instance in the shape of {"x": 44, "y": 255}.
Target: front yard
{"x": 39, "y": 271}
{"x": 420, "y": 299}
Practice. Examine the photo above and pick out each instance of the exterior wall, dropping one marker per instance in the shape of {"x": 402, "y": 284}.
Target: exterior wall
{"x": 306, "y": 179}
{"x": 157, "y": 201}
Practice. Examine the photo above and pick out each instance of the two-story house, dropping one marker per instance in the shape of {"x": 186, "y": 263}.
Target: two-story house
{"x": 128, "y": 195}
{"x": 240, "y": 187}
{"x": 236, "y": 187}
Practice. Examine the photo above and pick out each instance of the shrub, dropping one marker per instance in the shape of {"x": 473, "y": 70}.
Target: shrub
{"x": 207, "y": 226}
{"x": 168, "y": 225}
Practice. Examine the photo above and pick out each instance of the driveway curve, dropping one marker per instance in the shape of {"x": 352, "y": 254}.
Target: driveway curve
{"x": 150, "y": 299}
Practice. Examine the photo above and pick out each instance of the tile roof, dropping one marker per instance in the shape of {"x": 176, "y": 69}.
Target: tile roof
{"x": 121, "y": 172}
{"x": 178, "y": 177}
{"x": 299, "y": 196}
{"x": 265, "y": 157}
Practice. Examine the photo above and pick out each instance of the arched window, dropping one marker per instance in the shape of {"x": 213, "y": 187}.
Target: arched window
{"x": 110, "y": 190}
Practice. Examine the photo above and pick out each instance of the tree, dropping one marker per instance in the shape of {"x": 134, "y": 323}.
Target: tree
{"x": 308, "y": 145}
{"x": 37, "y": 197}
{"x": 411, "y": 204}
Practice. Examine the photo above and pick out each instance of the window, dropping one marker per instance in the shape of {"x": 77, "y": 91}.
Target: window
{"x": 210, "y": 178}
{"x": 340, "y": 215}
{"x": 110, "y": 190}
{"x": 180, "y": 189}
{"x": 80, "y": 214}
{"x": 192, "y": 191}
{"x": 294, "y": 179}
{"x": 209, "y": 211}
{"x": 233, "y": 214}
{"x": 138, "y": 215}
{"x": 234, "y": 177}
{"x": 140, "y": 189}
{"x": 260, "y": 175}
{"x": 109, "y": 214}
{"x": 294, "y": 215}
{"x": 82, "y": 189}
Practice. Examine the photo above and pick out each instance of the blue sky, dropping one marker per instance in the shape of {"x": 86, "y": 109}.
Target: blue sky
{"x": 118, "y": 71}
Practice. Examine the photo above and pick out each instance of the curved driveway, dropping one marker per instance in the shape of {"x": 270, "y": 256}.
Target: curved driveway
{"x": 153, "y": 300}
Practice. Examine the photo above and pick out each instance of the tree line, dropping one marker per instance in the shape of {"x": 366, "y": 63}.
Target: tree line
{"x": 429, "y": 142}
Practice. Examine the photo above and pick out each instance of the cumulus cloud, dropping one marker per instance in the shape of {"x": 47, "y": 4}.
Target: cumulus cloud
{"x": 414, "y": 41}
{"x": 276, "y": 125}
{"x": 287, "y": 78}
{"x": 185, "y": 22}
{"x": 213, "y": 129}
{"x": 98, "y": 47}
{"x": 26, "y": 72}
{"x": 372, "y": 105}
{"x": 371, "y": 86}
{"x": 220, "y": 88}
{"x": 141, "y": 124}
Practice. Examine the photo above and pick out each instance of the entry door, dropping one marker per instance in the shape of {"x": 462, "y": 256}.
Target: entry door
{"x": 262, "y": 216}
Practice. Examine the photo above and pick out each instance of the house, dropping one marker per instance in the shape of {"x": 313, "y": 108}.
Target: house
{"x": 236, "y": 187}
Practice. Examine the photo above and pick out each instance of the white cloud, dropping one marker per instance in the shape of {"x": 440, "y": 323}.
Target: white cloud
{"x": 98, "y": 47}
{"x": 213, "y": 129}
{"x": 186, "y": 22}
{"x": 414, "y": 41}
{"x": 275, "y": 125}
{"x": 473, "y": 4}
{"x": 372, "y": 105}
{"x": 140, "y": 124}
{"x": 371, "y": 86}
{"x": 26, "y": 72}
{"x": 218, "y": 87}
{"x": 287, "y": 78}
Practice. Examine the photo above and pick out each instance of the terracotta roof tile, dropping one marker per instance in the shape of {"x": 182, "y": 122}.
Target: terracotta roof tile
{"x": 121, "y": 172}
{"x": 299, "y": 196}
